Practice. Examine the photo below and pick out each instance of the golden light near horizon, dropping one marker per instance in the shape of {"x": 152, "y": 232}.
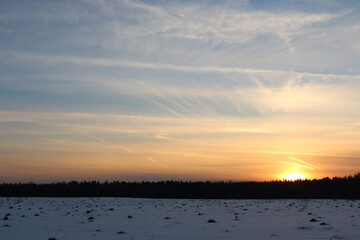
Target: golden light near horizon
{"x": 294, "y": 176}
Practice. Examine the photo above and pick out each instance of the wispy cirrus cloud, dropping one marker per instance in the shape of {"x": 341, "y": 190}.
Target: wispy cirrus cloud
{"x": 259, "y": 91}
{"x": 26, "y": 57}
{"x": 219, "y": 23}
{"x": 300, "y": 163}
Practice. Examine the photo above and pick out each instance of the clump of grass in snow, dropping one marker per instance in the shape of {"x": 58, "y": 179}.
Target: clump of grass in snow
{"x": 211, "y": 221}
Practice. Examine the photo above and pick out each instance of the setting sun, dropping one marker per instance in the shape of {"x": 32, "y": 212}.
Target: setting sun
{"x": 293, "y": 176}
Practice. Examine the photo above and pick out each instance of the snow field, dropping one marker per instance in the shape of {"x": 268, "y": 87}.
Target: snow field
{"x": 167, "y": 219}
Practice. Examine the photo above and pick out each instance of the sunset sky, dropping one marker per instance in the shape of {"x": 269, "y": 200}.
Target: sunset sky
{"x": 191, "y": 90}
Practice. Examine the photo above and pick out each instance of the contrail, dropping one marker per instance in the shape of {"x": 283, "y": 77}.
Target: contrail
{"x": 157, "y": 93}
{"x": 304, "y": 162}
{"x": 297, "y": 165}
{"x": 298, "y": 153}
{"x": 112, "y": 62}
{"x": 157, "y": 163}
{"x": 122, "y": 148}
{"x": 91, "y": 136}
{"x": 163, "y": 106}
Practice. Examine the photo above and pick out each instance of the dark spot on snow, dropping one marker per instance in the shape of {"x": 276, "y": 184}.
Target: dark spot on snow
{"x": 323, "y": 223}
{"x": 52, "y": 238}
{"x": 121, "y": 232}
{"x": 167, "y": 218}
{"x": 36, "y": 215}
{"x": 5, "y": 218}
{"x": 211, "y": 221}
{"x": 302, "y": 228}
{"x": 90, "y": 218}
{"x": 313, "y": 220}
{"x": 130, "y": 216}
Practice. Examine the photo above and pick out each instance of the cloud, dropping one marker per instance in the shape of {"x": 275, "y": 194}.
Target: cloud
{"x": 111, "y": 62}
{"x": 43, "y": 11}
{"x": 302, "y": 153}
{"x": 205, "y": 21}
{"x": 297, "y": 165}
{"x": 204, "y": 33}
{"x": 157, "y": 163}
{"x": 304, "y": 163}
{"x": 229, "y": 92}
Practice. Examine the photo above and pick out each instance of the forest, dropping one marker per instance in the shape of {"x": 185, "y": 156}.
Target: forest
{"x": 326, "y": 188}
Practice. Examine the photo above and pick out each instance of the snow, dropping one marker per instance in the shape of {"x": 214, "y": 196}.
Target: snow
{"x": 168, "y": 219}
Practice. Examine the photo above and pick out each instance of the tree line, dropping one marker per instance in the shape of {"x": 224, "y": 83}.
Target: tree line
{"x": 326, "y": 188}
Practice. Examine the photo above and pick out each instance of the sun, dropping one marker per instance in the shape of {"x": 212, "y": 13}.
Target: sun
{"x": 293, "y": 176}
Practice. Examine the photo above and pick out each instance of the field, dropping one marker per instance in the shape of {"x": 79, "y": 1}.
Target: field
{"x": 167, "y": 219}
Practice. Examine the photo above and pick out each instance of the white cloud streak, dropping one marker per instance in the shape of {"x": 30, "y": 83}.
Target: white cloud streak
{"x": 297, "y": 165}
{"x": 304, "y": 163}
{"x": 111, "y": 62}
{"x": 218, "y": 23}
{"x": 157, "y": 163}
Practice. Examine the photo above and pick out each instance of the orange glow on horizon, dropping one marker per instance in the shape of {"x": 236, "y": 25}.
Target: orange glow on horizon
{"x": 294, "y": 176}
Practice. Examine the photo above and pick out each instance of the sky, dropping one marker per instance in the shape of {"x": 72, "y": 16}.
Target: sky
{"x": 178, "y": 90}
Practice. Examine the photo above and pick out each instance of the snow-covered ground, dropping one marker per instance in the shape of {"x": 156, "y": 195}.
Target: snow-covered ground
{"x": 167, "y": 219}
